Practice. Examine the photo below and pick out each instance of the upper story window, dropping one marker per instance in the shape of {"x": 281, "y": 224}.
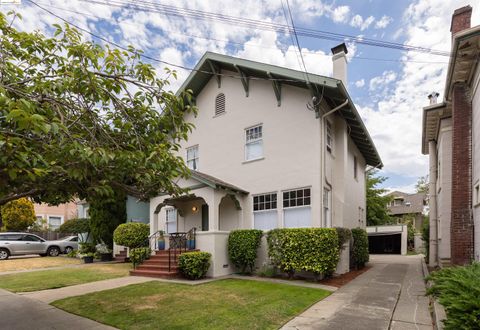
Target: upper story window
{"x": 355, "y": 165}
{"x": 328, "y": 136}
{"x": 254, "y": 142}
{"x": 398, "y": 202}
{"x": 220, "y": 104}
{"x": 192, "y": 157}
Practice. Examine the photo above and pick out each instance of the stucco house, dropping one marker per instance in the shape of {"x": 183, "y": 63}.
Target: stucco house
{"x": 405, "y": 205}
{"x": 451, "y": 138}
{"x": 272, "y": 148}
{"x": 52, "y": 217}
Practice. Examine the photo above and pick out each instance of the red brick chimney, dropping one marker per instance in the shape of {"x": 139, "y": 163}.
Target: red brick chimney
{"x": 461, "y": 230}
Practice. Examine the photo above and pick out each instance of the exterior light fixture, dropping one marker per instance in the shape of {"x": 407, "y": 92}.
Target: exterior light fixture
{"x": 194, "y": 209}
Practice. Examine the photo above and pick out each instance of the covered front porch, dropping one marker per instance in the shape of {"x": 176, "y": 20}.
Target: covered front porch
{"x": 211, "y": 206}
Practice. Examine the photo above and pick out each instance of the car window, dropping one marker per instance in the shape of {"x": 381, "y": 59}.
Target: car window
{"x": 31, "y": 238}
{"x": 11, "y": 237}
{"x": 74, "y": 239}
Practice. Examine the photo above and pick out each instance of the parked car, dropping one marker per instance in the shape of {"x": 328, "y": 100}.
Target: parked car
{"x": 17, "y": 244}
{"x": 67, "y": 244}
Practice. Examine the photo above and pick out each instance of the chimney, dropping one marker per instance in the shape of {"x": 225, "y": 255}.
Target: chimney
{"x": 433, "y": 97}
{"x": 339, "y": 59}
{"x": 461, "y": 19}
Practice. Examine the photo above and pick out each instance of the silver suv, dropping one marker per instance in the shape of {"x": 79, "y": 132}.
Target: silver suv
{"x": 16, "y": 244}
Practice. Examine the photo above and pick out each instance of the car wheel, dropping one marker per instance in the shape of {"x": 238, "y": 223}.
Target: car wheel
{"x": 68, "y": 249}
{"x": 4, "y": 254}
{"x": 53, "y": 251}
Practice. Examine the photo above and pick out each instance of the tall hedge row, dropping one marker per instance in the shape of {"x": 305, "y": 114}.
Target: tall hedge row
{"x": 308, "y": 249}
{"x": 359, "y": 250}
{"x": 242, "y": 247}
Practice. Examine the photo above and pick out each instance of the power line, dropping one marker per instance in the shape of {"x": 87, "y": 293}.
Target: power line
{"x": 247, "y": 44}
{"x": 256, "y": 24}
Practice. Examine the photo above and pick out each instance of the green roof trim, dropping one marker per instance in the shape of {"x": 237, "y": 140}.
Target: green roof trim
{"x": 334, "y": 91}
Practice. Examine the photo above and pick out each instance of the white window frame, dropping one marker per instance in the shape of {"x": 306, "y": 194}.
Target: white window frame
{"x": 253, "y": 140}
{"x": 273, "y": 206}
{"x": 167, "y": 211}
{"x": 296, "y": 206}
{"x": 194, "y": 160}
{"x": 328, "y": 136}
{"x": 476, "y": 197}
{"x": 327, "y": 206}
{"x": 54, "y": 216}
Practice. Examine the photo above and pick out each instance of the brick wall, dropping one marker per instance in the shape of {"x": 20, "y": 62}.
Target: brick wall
{"x": 461, "y": 19}
{"x": 461, "y": 229}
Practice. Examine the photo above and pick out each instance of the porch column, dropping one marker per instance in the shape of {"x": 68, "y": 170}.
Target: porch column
{"x": 213, "y": 213}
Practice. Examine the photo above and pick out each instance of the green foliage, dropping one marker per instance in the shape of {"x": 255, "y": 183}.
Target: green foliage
{"x": 242, "y": 247}
{"x": 309, "y": 249}
{"x": 359, "y": 250}
{"x": 81, "y": 119}
{"x": 18, "y": 215}
{"x": 194, "y": 265}
{"x": 105, "y": 216}
{"x": 139, "y": 255}
{"x": 377, "y": 201}
{"x": 72, "y": 254}
{"x": 426, "y": 235}
{"x": 458, "y": 291}
{"x": 75, "y": 226}
{"x": 267, "y": 271}
{"x": 87, "y": 250}
{"x": 422, "y": 184}
{"x": 132, "y": 235}
{"x": 344, "y": 235}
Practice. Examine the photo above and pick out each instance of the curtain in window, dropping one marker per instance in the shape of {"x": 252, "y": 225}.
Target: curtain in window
{"x": 265, "y": 220}
{"x": 254, "y": 150}
{"x": 171, "y": 220}
{"x": 298, "y": 217}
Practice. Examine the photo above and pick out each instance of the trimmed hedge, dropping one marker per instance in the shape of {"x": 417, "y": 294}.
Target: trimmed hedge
{"x": 344, "y": 235}
{"x": 242, "y": 247}
{"x": 458, "y": 291}
{"x": 359, "y": 250}
{"x": 139, "y": 255}
{"x": 308, "y": 249}
{"x": 132, "y": 235}
{"x": 75, "y": 226}
{"x": 194, "y": 265}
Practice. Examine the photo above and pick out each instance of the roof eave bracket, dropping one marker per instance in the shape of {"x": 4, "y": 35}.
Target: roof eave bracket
{"x": 244, "y": 79}
{"x": 277, "y": 88}
{"x": 216, "y": 71}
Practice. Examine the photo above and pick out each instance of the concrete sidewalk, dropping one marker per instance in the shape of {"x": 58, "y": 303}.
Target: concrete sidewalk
{"x": 391, "y": 295}
{"x": 22, "y": 313}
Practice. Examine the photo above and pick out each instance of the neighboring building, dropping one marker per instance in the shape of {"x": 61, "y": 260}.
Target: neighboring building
{"x": 137, "y": 211}
{"x": 52, "y": 217}
{"x": 272, "y": 148}
{"x": 451, "y": 137}
{"x": 405, "y": 205}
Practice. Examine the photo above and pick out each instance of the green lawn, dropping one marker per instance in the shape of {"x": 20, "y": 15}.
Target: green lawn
{"x": 51, "y": 279}
{"x": 225, "y": 304}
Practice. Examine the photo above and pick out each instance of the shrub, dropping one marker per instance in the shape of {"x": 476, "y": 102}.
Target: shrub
{"x": 426, "y": 235}
{"x": 75, "y": 226}
{"x": 344, "y": 235}
{"x": 18, "y": 215}
{"x": 105, "y": 216}
{"x": 139, "y": 255}
{"x": 194, "y": 265}
{"x": 243, "y": 246}
{"x": 86, "y": 250}
{"x": 457, "y": 290}
{"x": 309, "y": 249}
{"x": 132, "y": 235}
{"x": 359, "y": 250}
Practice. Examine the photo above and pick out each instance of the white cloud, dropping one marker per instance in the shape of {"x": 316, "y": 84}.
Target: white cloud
{"x": 382, "y": 81}
{"x": 359, "y": 22}
{"x": 360, "y": 83}
{"x": 383, "y": 22}
{"x": 341, "y": 14}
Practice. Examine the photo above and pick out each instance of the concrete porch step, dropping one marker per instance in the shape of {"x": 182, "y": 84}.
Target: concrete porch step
{"x": 154, "y": 273}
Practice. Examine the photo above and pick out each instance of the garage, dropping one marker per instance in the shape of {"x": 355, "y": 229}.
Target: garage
{"x": 387, "y": 239}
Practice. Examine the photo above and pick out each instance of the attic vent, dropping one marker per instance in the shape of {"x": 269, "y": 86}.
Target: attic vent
{"x": 220, "y": 104}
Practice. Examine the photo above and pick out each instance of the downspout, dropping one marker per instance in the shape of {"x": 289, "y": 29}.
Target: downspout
{"x": 433, "y": 240}
{"x": 323, "y": 222}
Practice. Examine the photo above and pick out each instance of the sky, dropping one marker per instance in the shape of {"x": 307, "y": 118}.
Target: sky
{"x": 388, "y": 86}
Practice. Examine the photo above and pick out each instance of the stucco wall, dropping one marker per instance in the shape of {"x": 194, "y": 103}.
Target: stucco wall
{"x": 476, "y": 159}
{"x": 66, "y": 211}
{"x": 444, "y": 187}
{"x": 137, "y": 211}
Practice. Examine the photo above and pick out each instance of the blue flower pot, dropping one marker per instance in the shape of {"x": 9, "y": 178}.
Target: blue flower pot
{"x": 161, "y": 245}
{"x": 190, "y": 244}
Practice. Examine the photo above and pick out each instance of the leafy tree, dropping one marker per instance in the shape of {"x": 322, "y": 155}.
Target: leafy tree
{"x": 105, "y": 216}
{"x": 18, "y": 215}
{"x": 422, "y": 185}
{"x": 79, "y": 119}
{"x": 377, "y": 201}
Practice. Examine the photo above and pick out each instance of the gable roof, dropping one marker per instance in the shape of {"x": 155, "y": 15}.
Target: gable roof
{"x": 416, "y": 203}
{"x": 215, "y": 183}
{"x": 334, "y": 92}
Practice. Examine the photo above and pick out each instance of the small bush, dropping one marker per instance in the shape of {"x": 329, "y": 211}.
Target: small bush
{"x": 243, "y": 246}
{"x": 132, "y": 235}
{"x": 359, "y": 250}
{"x": 194, "y": 265}
{"x": 426, "y": 235}
{"x": 139, "y": 255}
{"x": 75, "y": 226}
{"x": 309, "y": 249}
{"x": 458, "y": 291}
{"x": 18, "y": 215}
{"x": 344, "y": 235}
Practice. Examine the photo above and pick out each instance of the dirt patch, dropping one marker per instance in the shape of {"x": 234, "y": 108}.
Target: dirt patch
{"x": 36, "y": 263}
{"x": 343, "y": 279}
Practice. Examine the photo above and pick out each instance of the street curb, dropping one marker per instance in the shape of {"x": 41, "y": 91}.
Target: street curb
{"x": 438, "y": 311}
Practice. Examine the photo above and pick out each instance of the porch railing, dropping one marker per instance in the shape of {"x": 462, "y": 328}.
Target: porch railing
{"x": 180, "y": 242}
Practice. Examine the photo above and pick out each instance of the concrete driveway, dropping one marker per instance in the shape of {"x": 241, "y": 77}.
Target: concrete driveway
{"x": 391, "y": 295}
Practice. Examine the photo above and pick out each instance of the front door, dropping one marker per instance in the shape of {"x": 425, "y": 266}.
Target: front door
{"x": 205, "y": 217}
